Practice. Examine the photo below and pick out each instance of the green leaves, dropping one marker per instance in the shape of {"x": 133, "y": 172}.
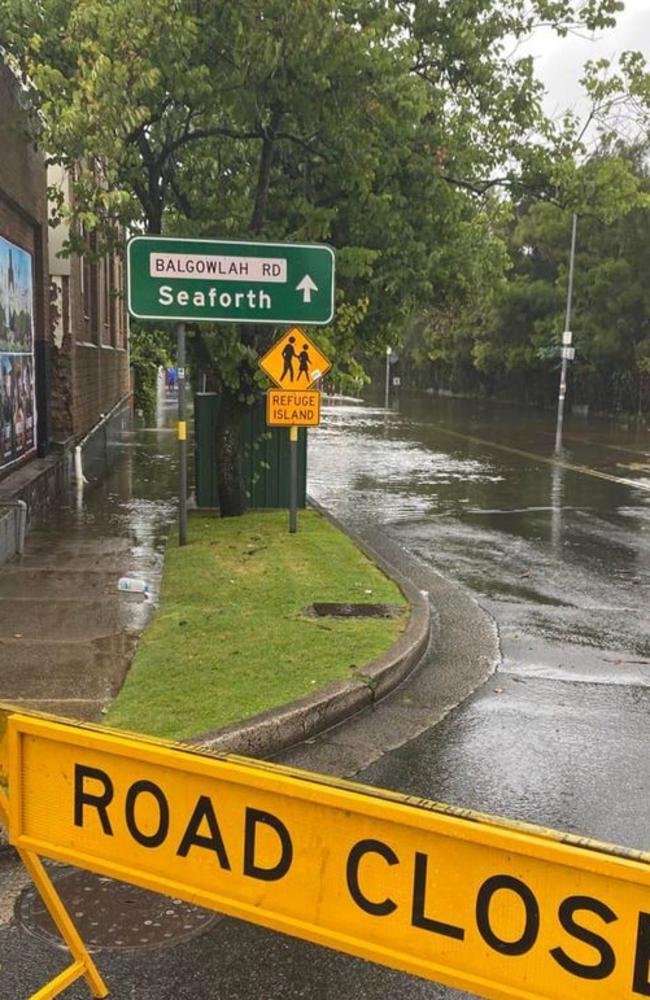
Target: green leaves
{"x": 383, "y": 128}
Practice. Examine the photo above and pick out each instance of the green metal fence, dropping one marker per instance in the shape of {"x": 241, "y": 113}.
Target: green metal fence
{"x": 265, "y": 457}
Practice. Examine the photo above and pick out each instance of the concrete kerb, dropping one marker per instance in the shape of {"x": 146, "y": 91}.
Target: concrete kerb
{"x": 281, "y": 728}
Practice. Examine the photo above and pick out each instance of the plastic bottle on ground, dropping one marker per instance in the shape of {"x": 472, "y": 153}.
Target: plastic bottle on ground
{"x": 132, "y": 585}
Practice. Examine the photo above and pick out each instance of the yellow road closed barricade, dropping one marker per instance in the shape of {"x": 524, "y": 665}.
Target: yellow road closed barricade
{"x": 499, "y": 909}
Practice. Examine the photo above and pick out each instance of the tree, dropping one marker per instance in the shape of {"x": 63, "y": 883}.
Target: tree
{"x": 511, "y": 335}
{"x": 379, "y": 126}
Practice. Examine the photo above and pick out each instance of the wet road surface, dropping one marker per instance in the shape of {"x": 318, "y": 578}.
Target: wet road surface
{"x": 561, "y": 559}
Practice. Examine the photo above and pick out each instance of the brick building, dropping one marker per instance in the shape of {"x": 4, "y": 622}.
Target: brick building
{"x": 90, "y": 371}
{"x": 64, "y": 367}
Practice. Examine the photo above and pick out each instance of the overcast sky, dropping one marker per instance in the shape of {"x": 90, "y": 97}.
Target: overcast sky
{"x": 559, "y": 61}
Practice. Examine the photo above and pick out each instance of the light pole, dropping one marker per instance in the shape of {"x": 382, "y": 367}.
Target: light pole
{"x": 566, "y": 341}
{"x": 389, "y": 351}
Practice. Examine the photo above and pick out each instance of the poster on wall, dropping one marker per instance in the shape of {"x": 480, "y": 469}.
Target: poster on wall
{"x": 17, "y": 389}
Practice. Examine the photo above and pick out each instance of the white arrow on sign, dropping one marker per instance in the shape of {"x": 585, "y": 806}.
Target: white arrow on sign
{"x": 306, "y": 286}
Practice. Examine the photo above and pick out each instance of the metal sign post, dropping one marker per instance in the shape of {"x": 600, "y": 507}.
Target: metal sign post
{"x": 293, "y": 480}
{"x": 182, "y": 435}
{"x": 389, "y": 351}
{"x": 294, "y": 363}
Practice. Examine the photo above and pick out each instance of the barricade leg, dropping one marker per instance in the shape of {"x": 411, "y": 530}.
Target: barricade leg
{"x": 83, "y": 964}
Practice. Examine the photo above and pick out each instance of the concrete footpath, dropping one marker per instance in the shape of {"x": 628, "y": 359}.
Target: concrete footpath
{"x": 67, "y": 635}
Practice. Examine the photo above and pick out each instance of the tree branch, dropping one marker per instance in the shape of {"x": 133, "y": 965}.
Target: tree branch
{"x": 209, "y": 133}
{"x": 474, "y": 187}
{"x": 264, "y": 173}
{"x": 304, "y": 144}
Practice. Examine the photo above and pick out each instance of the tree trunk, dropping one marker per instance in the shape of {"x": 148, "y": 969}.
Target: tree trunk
{"x": 232, "y": 501}
{"x": 258, "y": 215}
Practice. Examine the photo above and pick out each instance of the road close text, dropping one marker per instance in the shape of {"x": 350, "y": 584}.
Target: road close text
{"x": 502, "y": 911}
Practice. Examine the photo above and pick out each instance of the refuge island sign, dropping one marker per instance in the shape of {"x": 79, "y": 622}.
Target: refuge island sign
{"x": 230, "y": 282}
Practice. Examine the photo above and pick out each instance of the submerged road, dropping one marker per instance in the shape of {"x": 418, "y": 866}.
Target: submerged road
{"x": 559, "y": 554}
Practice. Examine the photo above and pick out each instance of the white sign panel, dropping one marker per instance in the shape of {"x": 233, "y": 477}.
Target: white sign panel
{"x": 211, "y": 267}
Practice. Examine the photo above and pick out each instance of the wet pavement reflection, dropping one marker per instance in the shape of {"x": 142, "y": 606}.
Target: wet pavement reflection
{"x": 558, "y": 736}
{"x": 67, "y": 635}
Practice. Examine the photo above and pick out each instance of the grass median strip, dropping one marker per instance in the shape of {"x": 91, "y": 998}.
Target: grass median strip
{"x": 230, "y": 637}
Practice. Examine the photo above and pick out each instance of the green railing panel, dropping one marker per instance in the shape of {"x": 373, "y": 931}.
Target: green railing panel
{"x": 265, "y": 457}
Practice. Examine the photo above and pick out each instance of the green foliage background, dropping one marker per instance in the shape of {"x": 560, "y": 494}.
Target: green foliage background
{"x": 149, "y": 351}
{"x": 410, "y": 134}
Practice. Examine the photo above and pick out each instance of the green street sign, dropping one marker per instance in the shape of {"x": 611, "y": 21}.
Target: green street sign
{"x": 230, "y": 282}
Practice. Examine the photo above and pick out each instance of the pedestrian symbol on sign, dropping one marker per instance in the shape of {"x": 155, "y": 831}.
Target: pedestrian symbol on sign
{"x": 288, "y": 354}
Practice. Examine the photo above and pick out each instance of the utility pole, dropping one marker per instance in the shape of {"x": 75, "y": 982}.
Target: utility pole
{"x": 389, "y": 351}
{"x": 565, "y": 341}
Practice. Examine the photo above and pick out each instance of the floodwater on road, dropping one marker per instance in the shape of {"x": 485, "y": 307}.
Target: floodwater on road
{"x": 559, "y": 554}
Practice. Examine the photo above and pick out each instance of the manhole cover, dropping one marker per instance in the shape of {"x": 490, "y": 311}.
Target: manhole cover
{"x": 110, "y": 914}
{"x": 355, "y": 610}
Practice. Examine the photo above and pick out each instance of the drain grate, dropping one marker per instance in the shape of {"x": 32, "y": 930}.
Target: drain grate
{"x": 355, "y": 610}
{"x": 113, "y": 915}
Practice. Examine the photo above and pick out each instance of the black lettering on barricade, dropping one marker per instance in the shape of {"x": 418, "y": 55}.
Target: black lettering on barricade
{"x": 278, "y": 871}
{"x": 641, "y": 981}
{"x": 483, "y": 900}
{"x": 352, "y": 873}
{"x": 204, "y": 810}
{"x": 147, "y": 788}
{"x": 566, "y": 913}
{"x": 99, "y": 802}
{"x": 418, "y": 918}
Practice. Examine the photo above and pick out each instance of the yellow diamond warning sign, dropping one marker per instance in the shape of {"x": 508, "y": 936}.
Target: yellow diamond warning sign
{"x": 292, "y": 408}
{"x": 294, "y": 362}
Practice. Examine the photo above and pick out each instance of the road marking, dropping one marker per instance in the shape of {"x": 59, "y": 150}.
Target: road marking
{"x": 600, "y": 444}
{"x": 569, "y": 466}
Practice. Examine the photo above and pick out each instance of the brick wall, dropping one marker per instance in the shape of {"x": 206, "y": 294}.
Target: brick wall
{"x": 81, "y": 373}
{"x": 100, "y": 372}
{"x": 92, "y": 373}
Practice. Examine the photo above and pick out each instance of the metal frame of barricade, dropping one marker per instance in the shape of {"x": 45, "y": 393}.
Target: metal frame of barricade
{"x": 83, "y": 965}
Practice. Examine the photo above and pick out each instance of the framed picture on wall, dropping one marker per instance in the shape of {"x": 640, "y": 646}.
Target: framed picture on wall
{"x": 17, "y": 388}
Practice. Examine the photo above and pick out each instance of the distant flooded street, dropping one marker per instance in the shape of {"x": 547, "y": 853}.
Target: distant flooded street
{"x": 560, "y": 557}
